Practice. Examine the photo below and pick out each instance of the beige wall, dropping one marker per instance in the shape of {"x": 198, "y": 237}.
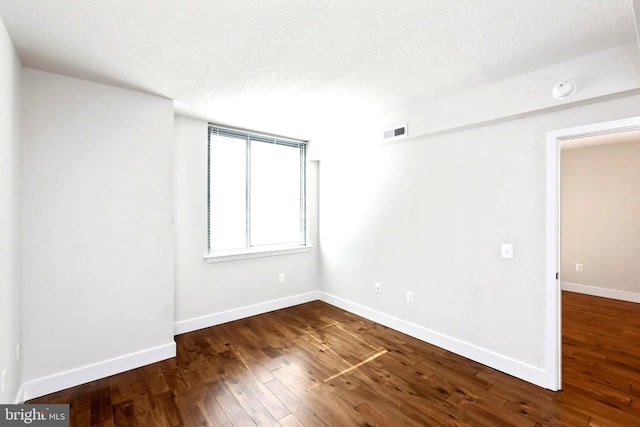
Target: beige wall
{"x": 601, "y": 216}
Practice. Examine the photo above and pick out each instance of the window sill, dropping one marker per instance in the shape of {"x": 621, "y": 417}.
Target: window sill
{"x": 255, "y": 253}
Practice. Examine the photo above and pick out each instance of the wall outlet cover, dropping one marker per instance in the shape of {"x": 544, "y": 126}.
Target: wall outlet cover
{"x": 410, "y": 297}
{"x": 506, "y": 250}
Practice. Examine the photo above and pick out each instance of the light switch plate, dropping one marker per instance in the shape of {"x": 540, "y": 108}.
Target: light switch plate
{"x": 507, "y": 250}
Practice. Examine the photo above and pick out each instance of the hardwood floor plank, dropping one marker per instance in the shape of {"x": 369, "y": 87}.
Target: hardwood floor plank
{"x": 290, "y": 421}
{"x": 190, "y": 414}
{"x": 165, "y": 403}
{"x": 234, "y": 410}
{"x": 100, "y": 405}
{"x": 80, "y": 418}
{"x": 151, "y": 419}
{"x": 298, "y": 407}
{"x": 214, "y": 412}
{"x": 256, "y": 387}
{"x": 249, "y": 402}
{"x": 592, "y": 408}
{"x": 295, "y": 378}
{"x": 388, "y": 414}
{"x": 140, "y": 398}
{"x": 123, "y": 414}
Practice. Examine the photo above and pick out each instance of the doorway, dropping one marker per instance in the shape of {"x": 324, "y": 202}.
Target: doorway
{"x": 553, "y": 290}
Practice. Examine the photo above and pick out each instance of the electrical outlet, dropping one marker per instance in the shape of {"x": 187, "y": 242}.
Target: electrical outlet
{"x": 281, "y": 278}
{"x": 410, "y": 297}
{"x": 378, "y": 287}
{"x": 506, "y": 250}
{"x": 578, "y": 267}
{"x": 4, "y": 381}
{"x": 17, "y": 351}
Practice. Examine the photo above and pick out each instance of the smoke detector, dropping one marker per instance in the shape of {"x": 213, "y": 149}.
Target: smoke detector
{"x": 564, "y": 89}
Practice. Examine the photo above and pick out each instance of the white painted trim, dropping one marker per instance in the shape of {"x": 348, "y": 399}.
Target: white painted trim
{"x": 614, "y": 126}
{"x": 553, "y": 328}
{"x": 213, "y": 319}
{"x": 553, "y": 317}
{"x": 85, "y": 374}
{"x": 257, "y": 252}
{"x": 601, "y": 292}
{"x": 497, "y": 361}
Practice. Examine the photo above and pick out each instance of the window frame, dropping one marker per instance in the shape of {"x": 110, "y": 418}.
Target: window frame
{"x": 249, "y": 251}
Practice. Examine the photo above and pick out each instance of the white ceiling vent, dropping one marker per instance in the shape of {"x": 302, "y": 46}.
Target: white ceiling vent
{"x": 395, "y": 132}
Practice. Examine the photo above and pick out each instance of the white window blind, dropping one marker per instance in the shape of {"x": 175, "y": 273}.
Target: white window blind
{"x": 256, "y": 191}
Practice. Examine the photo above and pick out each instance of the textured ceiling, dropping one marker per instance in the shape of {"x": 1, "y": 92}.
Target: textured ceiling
{"x": 289, "y": 66}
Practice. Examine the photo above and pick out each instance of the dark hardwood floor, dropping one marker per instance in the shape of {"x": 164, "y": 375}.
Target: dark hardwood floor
{"x": 316, "y": 365}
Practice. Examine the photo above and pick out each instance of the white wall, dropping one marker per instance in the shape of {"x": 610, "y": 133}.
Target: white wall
{"x": 98, "y": 245}
{"x": 429, "y": 214}
{"x": 10, "y": 235}
{"x": 601, "y": 216}
{"x": 208, "y": 294}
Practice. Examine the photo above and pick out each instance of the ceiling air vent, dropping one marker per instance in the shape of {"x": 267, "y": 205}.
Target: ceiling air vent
{"x": 395, "y": 132}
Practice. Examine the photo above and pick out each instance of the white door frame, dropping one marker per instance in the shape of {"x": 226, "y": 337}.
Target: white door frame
{"x": 553, "y": 319}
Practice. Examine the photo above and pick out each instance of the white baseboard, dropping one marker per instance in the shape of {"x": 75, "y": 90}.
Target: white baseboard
{"x": 494, "y": 360}
{"x": 85, "y": 374}
{"x": 242, "y": 312}
{"x": 601, "y": 292}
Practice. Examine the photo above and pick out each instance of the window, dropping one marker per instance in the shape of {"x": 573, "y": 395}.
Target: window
{"x": 257, "y": 192}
